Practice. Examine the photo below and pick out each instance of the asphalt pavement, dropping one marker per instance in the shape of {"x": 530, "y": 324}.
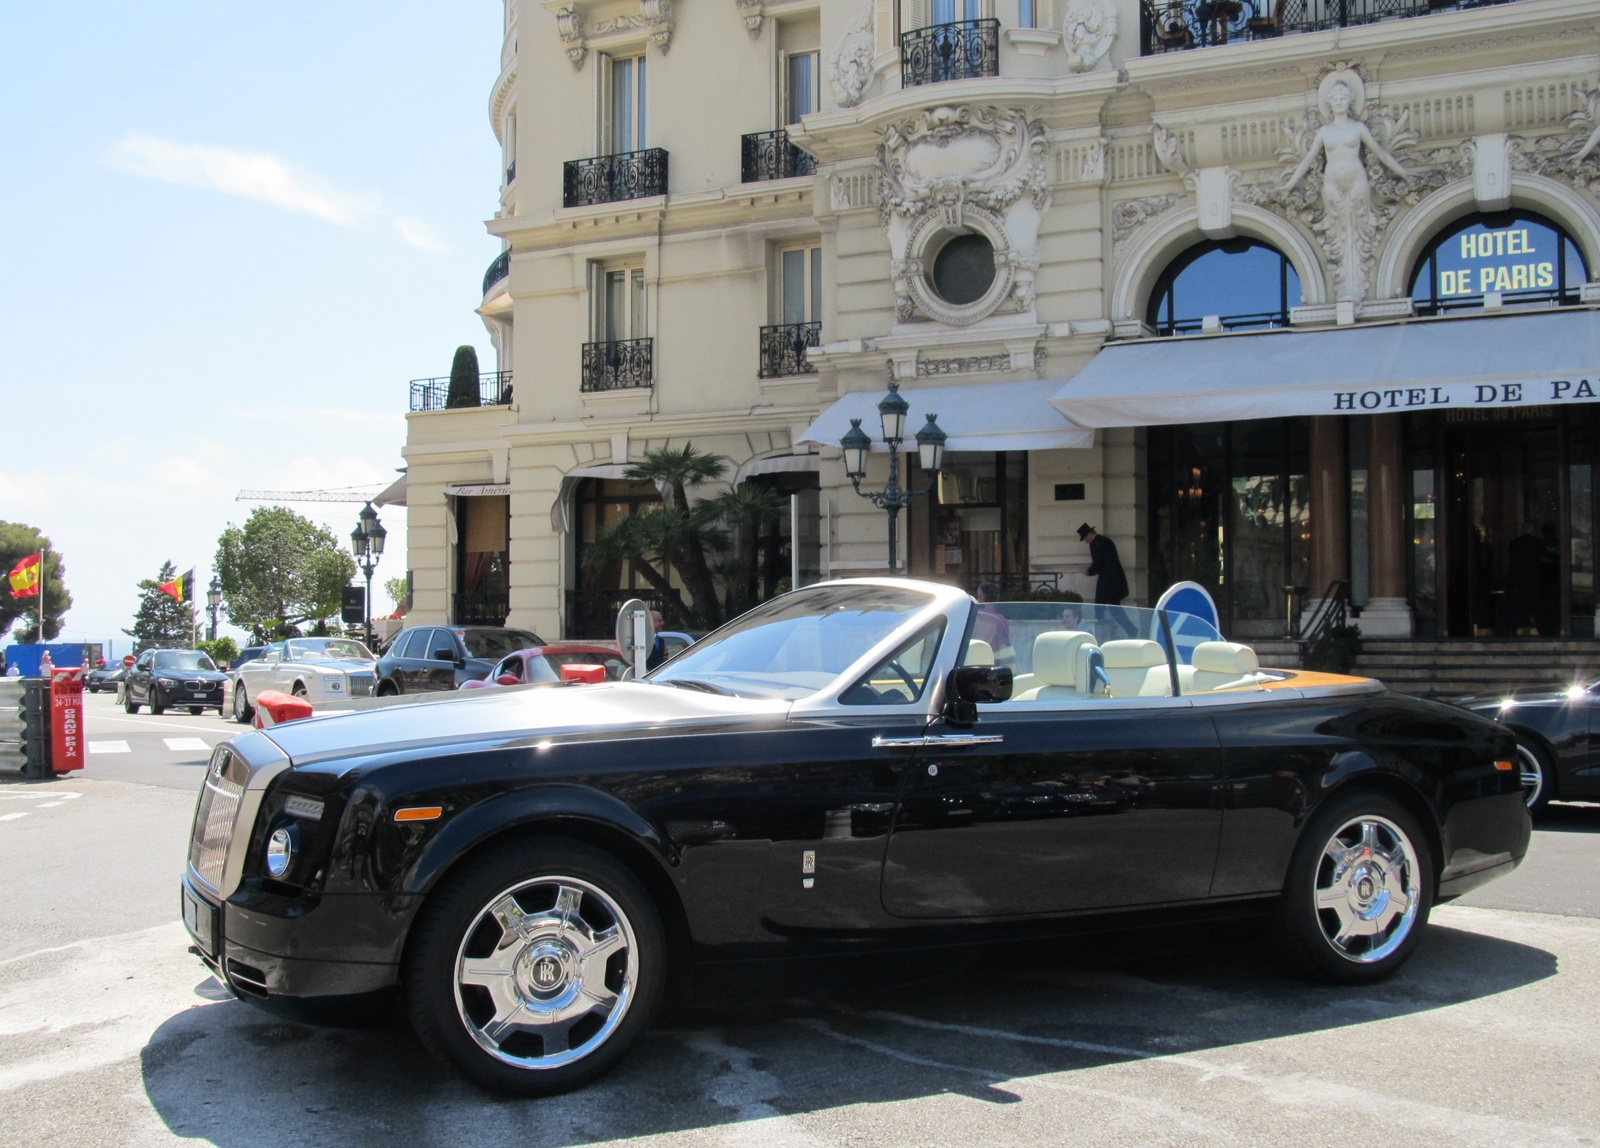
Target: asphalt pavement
{"x": 112, "y": 1033}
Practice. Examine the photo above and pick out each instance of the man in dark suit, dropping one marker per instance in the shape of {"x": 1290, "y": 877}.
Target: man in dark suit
{"x": 1111, "y": 585}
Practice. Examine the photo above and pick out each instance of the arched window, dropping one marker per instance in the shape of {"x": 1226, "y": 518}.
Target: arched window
{"x": 1244, "y": 282}
{"x": 1526, "y": 259}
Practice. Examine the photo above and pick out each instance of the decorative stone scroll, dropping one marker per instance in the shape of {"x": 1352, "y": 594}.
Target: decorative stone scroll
{"x": 850, "y": 68}
{"x": 963, "y": 169}
{"x": 655, "y": 16}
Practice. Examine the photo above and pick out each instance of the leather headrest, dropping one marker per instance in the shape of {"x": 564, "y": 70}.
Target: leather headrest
{"x": 1133, "y": 654}
{"x": 1055, "y": 656}
{"x": 1218, "y": 658}
{"x": 979, "y": 653}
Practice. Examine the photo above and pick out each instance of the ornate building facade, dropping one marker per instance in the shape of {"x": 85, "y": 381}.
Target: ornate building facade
{"x": 1281, "y": 295}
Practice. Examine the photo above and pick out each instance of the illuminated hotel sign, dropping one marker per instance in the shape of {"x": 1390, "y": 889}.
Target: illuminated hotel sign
{"x": 1515, "y": 259}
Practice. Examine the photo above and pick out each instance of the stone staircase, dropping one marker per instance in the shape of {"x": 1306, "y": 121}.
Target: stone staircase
{"x": 1449, "y": 667}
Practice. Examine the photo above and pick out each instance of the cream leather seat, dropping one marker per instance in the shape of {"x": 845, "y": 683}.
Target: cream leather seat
{"x": 979, "y": 653}
{"x": 1132, "y": 665}
{"x": 1061, "y": 661}
{"x": 1223, "y": 666}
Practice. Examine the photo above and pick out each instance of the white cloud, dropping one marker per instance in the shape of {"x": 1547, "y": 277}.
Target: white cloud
{"x": 262, "y": 177}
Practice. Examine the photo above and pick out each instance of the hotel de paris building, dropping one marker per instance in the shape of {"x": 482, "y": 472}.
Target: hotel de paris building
{"x": 1277, "y": 294}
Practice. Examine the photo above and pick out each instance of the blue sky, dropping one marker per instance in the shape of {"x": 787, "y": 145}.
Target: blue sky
{"x": 229, "y": 235}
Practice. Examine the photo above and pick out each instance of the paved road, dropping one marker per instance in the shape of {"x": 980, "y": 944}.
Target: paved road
{"x": 111, "y": 1033}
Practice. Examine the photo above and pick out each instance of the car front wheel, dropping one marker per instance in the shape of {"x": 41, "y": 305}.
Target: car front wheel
{"x": 536, "y": 967}
{"x": 1359, "y": 891}
{"x": 128, "y": 704}
{"x": 243, "y": 711}
{"x": 1538, "y": 776}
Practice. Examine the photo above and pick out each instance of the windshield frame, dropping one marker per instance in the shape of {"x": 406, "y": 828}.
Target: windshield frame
{"x": 294, "y": 648}
{"x": 947, "y": 602}
{"x": 156, "y": 666}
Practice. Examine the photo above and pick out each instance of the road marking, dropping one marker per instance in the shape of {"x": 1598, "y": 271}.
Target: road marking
{"x": 109, "y": 747}
{"x": 11, "y": 816}
{"x": 39, "y": 794}
{"x": 148, "y": 723}
{"x": 182, "y": 744}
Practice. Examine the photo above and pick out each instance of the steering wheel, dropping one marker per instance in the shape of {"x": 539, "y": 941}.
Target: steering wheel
{"x": 906, "y": 678}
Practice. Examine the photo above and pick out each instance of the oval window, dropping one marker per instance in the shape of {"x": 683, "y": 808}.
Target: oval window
{"x": 964, "y": 269}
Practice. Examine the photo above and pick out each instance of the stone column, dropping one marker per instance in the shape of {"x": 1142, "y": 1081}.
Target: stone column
{"x": 1387, "y": 613}
{"x": 1330, "y": 517}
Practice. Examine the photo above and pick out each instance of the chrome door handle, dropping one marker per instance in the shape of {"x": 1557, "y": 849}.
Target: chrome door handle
{"x": 948, "y": 741}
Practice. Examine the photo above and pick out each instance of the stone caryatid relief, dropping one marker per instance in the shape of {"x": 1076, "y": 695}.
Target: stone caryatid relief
{"x": 1087, "y": 32}
{"x": 850, "y": 68}
{"x": 963, "y": 169}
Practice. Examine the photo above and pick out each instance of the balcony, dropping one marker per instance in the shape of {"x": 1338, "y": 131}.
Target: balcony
{"x": 770, "y": 155}
{"x": 783, "y": 349}
{"x": 498, "y": 270}
{"x": 620, "y": 365}
{"x": 964, "y": 50}
{"x": 484, "y": 609}
{"x": 494, "y": 390}
{"x": 1177, "y": 25}
{"x": 611, "y": 178}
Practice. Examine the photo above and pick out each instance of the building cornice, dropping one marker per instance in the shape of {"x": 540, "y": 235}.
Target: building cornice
{"x": 737, "y": 205}
{"x": 658, "y": 425}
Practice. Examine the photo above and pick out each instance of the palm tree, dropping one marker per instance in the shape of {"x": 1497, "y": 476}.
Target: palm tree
{"x": 683, "y": 533}
{"x": 745, "y": 509}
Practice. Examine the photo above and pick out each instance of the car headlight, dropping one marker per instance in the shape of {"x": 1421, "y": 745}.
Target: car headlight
{"x": 166, "y": 682}
{"x": 280, "y": 852}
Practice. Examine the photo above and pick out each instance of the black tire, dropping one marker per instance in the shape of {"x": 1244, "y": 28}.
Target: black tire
{"x": 387, "y": 689}
{"x": 455, "y": 920}
{"x": 243, "y": 711}
{"x": 1540, "y": 783}
{"x": 1359, "y": 896}
{"x": 299, "y": 690}
{"x": 197, "y": 710}
{"x": 156, "y": 707}
{"x": 129, "y": 705}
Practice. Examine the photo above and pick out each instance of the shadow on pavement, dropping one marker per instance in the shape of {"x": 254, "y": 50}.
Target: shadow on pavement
{"x": 235, "y": 1076}
{"x": 1559, "y": 817}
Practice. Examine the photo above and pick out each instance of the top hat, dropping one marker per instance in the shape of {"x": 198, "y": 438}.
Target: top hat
{"x": 1085, "y": 529}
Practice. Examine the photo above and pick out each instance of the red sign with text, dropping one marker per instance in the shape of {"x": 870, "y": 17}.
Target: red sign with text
{"x": 66, "y": 719}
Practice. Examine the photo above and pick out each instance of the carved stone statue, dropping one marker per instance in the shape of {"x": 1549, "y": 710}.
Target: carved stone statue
{"x": 1087, "y": 32}
{"x": 1349, "y": 221}
{"x": 850, "y": 69}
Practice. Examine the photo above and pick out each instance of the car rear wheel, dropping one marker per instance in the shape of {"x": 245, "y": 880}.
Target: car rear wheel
{"x": 197, "y": 710}
{"x": 535, "y": 968}
{"x": 1359, "y": 891}
{"x": 388, "y": 690}
{"x": 128, "y": 704}
{"x": 1538, "y": 776}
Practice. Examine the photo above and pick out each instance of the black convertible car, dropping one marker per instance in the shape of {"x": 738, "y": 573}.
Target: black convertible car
{"x": 1554, "y": 750}
{"x": 863, "y": 766}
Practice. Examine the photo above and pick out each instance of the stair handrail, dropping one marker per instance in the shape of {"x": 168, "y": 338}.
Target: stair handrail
{"x": 1331, "y": 612}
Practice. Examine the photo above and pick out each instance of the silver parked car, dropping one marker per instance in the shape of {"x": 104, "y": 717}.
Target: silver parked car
{"x": 320, "y": 670}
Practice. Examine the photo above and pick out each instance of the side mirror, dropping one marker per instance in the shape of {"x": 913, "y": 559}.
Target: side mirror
{"x": 972, "y": 686}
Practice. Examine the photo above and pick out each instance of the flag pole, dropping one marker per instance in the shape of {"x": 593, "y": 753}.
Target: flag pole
{"x": 41, "y": 595}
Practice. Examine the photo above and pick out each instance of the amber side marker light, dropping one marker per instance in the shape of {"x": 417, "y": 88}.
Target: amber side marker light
{"x": 1502, "y": 766}
{"x": 421, "y": 813}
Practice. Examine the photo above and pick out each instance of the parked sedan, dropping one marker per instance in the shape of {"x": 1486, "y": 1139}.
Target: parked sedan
{"x": 840, "y": 770}
{"x": 543, "y": 664}
{"x": 106, "y": 678}
{"x": 436, "y": 658}
{"x": 1555, "y": 752}
{"x": 318, "y": 669}
{"x": 167, "y": 679}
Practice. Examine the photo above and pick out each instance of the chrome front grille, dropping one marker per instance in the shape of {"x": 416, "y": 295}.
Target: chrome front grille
{"x": 361, "y": 685}
{"x": 215, "y": 815}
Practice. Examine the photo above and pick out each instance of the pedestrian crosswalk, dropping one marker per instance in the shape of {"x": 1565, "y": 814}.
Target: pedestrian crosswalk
{"x": 57, "y": 797}
{"x": 108, "y": 747}
{"x": 175, "y": 744}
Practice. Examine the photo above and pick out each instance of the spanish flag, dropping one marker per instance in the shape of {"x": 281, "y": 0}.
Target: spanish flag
{"x": 25, "y": 577}
{"x": 181, "y": 588}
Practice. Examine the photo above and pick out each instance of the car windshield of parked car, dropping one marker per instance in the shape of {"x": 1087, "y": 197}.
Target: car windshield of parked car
{"x": 795, "y": 645}
{"x": 328, "y": 650}
{"x": 496, "y": 644}
{"x": 182, "y": 660}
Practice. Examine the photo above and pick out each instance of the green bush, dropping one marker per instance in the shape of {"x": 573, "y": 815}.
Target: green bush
{"x": 463, "y": 379}
{"x": 222, "y": 651}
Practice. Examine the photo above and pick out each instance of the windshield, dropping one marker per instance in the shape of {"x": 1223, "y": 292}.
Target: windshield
{"x": 1060, "y": 650}
{"x": 795, "y": 645}
{"x": 496, "y": 644}
{"x": 328, "y": 650}
{"x": 182, "y": 660}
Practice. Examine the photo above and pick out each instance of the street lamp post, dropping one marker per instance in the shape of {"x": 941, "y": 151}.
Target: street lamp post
{"x": 213, "y": 603}
{"x": 366, "y": 542}
{"x": 856, "y": 444}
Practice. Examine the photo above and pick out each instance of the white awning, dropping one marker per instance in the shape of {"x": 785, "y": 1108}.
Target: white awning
{"x": 777, "y": 464}
{"x": 394, "y": 494}
{"x": 975, "y": 416}
{"x": 1540, "y": 358}
{"x": 561, "y": 508}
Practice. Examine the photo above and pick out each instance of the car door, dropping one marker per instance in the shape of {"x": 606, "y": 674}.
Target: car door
{"x": 439, "y": 672}
{"x": 411, "y": 659}
{"x": 138, "y": 683}
{"x": 1049, "y": 807}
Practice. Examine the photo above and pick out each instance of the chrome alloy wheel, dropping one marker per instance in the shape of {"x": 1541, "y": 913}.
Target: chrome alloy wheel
{"x": 546, "y": 972}
{"x": 1366, "y": 894}
{"x": 1532, "y": 770}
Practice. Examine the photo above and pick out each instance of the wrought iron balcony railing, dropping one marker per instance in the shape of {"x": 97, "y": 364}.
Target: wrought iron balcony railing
{"x": 783, "y": 349}
{"x": 482, "y": 609}
{"x": 511, "y": 173}
{"x": 609, "y": 178}
{"x": 1173, "y": 25}
{"x": 770, "y": 155}
{"x": 960, "y": 51}
{"x": 617, "y": 365}
{"x": 494, "y": 390}
{"x": 498, "y": 270}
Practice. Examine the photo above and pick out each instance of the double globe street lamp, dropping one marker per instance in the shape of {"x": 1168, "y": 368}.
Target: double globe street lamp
{"x": 856, "y": 445}
{"x": 213, "y": 603}
{"x": 366, "y": 542}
